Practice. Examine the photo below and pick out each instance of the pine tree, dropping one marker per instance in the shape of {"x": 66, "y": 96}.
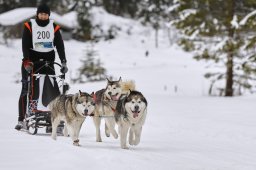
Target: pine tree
{"x": 121, "y": 7}
{"x": 154, "y": 12}
{"x": 216, "y": 32}
{"x": 6, "y": 5}
{"x": 92, "y": 69}
{"x": 83, "y": 32}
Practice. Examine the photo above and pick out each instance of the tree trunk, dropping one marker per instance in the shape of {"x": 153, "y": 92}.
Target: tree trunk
{"x": 229, "y": 76}
{"x": 156, "y": 37}
{"x": 169, "y": 35}
{"x": 229, "y": 65}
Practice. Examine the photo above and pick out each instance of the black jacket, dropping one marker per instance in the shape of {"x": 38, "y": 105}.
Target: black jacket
{"x": 32, "y": 55}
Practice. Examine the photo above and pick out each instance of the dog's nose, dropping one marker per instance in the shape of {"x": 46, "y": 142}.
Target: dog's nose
{"x": 85, "y": 111}
{"x": 136, "y": 107}
{"x": 109, "y": 93}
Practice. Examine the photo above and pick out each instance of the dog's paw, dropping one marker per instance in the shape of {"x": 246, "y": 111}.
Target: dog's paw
{"x": 107, "y": 134}
{"x": 124, "y": 147}
{"x": 66, "y": 135}
{"x": 98, "y": 140}
{"x": 54, "y": 137}
{"x": 76, "y": 142}
{"x": 115, "y": 136}
{"x": 131, "y": 142}
{"x": 136, "y": 142}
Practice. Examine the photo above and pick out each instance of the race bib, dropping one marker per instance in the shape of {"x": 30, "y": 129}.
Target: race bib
{"x": 42, "y": 36}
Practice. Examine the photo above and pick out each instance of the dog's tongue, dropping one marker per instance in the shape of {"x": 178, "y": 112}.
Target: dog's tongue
{"x": 114, "y": 97}
{"x": 135, "y": 114}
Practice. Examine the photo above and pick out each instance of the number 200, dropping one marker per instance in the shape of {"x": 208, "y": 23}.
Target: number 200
{"x": 43, "y": 34}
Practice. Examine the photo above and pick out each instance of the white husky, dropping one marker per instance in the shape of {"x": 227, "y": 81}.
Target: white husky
{"x": 130, "y": 115}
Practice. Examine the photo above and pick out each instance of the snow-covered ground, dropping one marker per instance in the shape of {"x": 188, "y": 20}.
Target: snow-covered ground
{"x": 185, "y": 129}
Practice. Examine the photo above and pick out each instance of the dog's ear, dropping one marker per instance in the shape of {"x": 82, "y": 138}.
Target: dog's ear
{"x": 92, "y": 94}
{"x": 129, "y": 92}
{"x": 120, "y": 79}
{"x": 146, "y": 102}
{"x": 80, "y": 92}
{"x": 108, "y": 80}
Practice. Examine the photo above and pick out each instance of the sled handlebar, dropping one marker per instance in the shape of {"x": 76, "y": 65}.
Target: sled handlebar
{"x": 47, "y": 64}
{"x": 38, "y": 75}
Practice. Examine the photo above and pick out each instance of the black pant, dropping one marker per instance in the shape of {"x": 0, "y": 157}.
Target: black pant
{"x": 23, "y": 94}
{"x": 38, "y": 68}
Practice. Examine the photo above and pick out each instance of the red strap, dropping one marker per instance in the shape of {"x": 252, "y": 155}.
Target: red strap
{"x": 28, "y": 26}
{"x": 114, "y": 110}
{"x": 94, "y": 97}
{"x": 56, "y": 28}
{"x": 26, "y": 62}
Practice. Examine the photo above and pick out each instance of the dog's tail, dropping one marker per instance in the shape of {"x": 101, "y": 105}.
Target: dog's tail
{"x": 127, "y": 86}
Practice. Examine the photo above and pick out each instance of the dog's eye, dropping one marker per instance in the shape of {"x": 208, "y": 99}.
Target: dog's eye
{"x": 139, "y": 102}
{"x": 93, "y": 103}
{"x": 133, "y": 102}
{"x": 114, "y": 88}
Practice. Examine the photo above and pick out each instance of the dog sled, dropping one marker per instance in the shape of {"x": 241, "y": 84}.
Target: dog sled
{"x": 42, "y": 89}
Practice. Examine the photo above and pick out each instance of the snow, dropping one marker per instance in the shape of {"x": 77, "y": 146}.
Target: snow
{"x": 184, "y": 129}
{"x": 106, "y": 21}
{"x": 186, "y": 13}
{"x": 61, "y": 20}
{"x": 173, "y": 7}
{"x": 71, "y": 17}
{"x": 16, "y": 16}
{"x": 245, "y": 19}
{"x": 234, "y": 22}
{"x": 221, "y": 44}
{"x": 20, "y": 15}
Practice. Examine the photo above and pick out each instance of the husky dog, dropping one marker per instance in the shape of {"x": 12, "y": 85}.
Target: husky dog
{"x": 131, "y": 111}
{"x": 106, "y": 100}
{"x": 72, "y": 109}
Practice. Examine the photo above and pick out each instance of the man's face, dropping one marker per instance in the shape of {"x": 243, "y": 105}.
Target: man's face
{"x": 43, "y": 16}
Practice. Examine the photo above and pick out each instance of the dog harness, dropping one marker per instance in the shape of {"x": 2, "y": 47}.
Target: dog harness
{"x": 104, "y": 102}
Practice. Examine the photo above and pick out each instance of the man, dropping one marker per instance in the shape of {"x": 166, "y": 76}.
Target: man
{"x": 40, "y": 36}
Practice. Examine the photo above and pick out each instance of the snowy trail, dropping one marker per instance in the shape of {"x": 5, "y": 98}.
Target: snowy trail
{"x": 185, "y": 130}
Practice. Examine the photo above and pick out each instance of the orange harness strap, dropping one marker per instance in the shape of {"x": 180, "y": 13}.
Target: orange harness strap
{"x": 56, "y": 28}
{"x": 29, "y": 28}
{"x": 27, "y": 25}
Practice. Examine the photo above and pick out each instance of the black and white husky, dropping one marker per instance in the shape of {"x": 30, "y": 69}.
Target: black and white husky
{"x": 130, "y": 116}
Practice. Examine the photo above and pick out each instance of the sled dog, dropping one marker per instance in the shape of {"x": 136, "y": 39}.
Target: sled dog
{"x": 72, "y": 109}
{"x": 106, "y": 100}
{"x": 130, "y": 115}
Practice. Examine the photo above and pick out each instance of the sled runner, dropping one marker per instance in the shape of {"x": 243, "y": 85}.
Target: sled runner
{"x": 42, "y": 89}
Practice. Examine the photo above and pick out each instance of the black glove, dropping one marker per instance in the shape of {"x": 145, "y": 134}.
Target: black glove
{"x": 64, "y": 68}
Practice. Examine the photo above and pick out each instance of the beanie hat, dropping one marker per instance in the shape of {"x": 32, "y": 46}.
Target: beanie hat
{"x": 43, "y": 8}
